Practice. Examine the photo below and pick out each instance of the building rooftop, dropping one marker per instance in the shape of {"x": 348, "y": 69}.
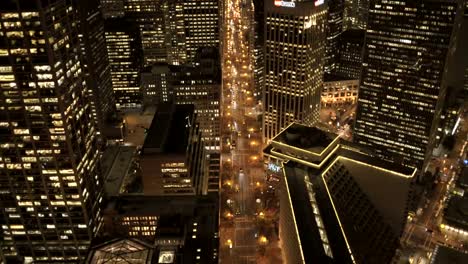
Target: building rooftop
{"x": 192, "y": 220}
{"x": 171, "y": 226}
{"x": 377, "y": 184}
{"x": 446, "y": 255}
{"x": 120, "y": 24}
{"x": 142, "y": 204}
{"x": 375, "y": 180}
{"x": 304, "y": 137}
{"x": 116, "y": 162}
{"x": 122, "y": 251}
{"x": 354, "y": 34}
{"x": 456, "y": 212}
{"x": 169, "y": 129}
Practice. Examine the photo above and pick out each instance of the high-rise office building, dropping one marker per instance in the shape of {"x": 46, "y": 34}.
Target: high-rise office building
{"x": 334, "y": 207}
{"x": 404, "y": 79}
{"x": 295, "y": 38}
{"x": 112, "y": 8}
{"x": 49, "y": 188}
{"x": 95, "y": 61}
{"x": 198, "y": 84}
{"x": 351, "y": 49}
{"x": 175, "y": 32}
{"x": 201, "y": 86}
{"x": 124, "y": 51}
{"x": 173, "y": 156}
{"x": 176, "y": 229}
{"x": 148, "y": 16}
{"x": 202, "y": 23}
{"x": 156, "y": 84}
{"x": 465, "y": 27}
{"x": 356, "y": 14}
{"x": 258, "y": 56}
{"x": 334, "y": 29}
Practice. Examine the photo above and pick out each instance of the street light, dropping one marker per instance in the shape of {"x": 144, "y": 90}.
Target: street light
{"x": 261, "y": 215}
{"x": 263, "y": 240}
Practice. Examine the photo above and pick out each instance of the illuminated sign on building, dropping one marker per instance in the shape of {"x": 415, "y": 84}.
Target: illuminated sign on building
{"x": 319, "y": 2}
{"x": 274, "y": 167}
{"x": 285, "y": 4}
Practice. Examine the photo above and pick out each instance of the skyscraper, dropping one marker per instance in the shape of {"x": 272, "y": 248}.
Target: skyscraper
{"x": 95, "y": 61}
{"x": 334, "y": 29}
{"x": 199, "y": 85}
{"x": 124, "y": 51}
{"x": 258, "y": 55}
{"x": 335, "y": 205}
{"x": 112, "y": 8}
{"x": 351, "y": 48}
{"x": 405, "y": 64}
{"x": 148, "y": 16}
{"x": 49, "y": 188}
{"x": 356, "y": 14}
{"x": 173, "y": 156}
{"x": 295, "y": 38}
{"x": 202, "y": 23}
{"x": 175, "y": 32}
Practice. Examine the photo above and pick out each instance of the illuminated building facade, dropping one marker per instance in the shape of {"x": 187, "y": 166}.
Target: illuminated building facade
{"x": 49, "y": 189}
{"x": 404, "y": 77}
{"x": 214, "y": 170}
{"x": 173, "y": 155}
{"x": 202, "y": 25}
{"x": 175, "y": 32}
{"x": 356, "y": 13}
{"x": 351, "y": 49}
{"x": 124, "y": 51}
{"x": 156, "y": 84}
{"x": 258, "y": 50}
{"x": 295, "y": 39}
{"x": 95, "y": 61}
{"x": 185, "y": 225}
{"x": 334, "y": 29}
{"x": 148, "y": 16}
{"x": 339, "y": 92}
{"x": 199, "y": 85}
{"x": 334, "y": 207}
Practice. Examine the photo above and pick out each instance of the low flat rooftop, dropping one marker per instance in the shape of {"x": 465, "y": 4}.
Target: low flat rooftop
{"x": 169, "y": 130}
{"x": 304, "y": 137}
{"x": 456, "y": 212}
{"x": 116, "y": 162}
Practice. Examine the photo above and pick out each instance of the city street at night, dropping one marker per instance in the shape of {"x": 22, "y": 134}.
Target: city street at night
{"x": 241, "y": 156}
